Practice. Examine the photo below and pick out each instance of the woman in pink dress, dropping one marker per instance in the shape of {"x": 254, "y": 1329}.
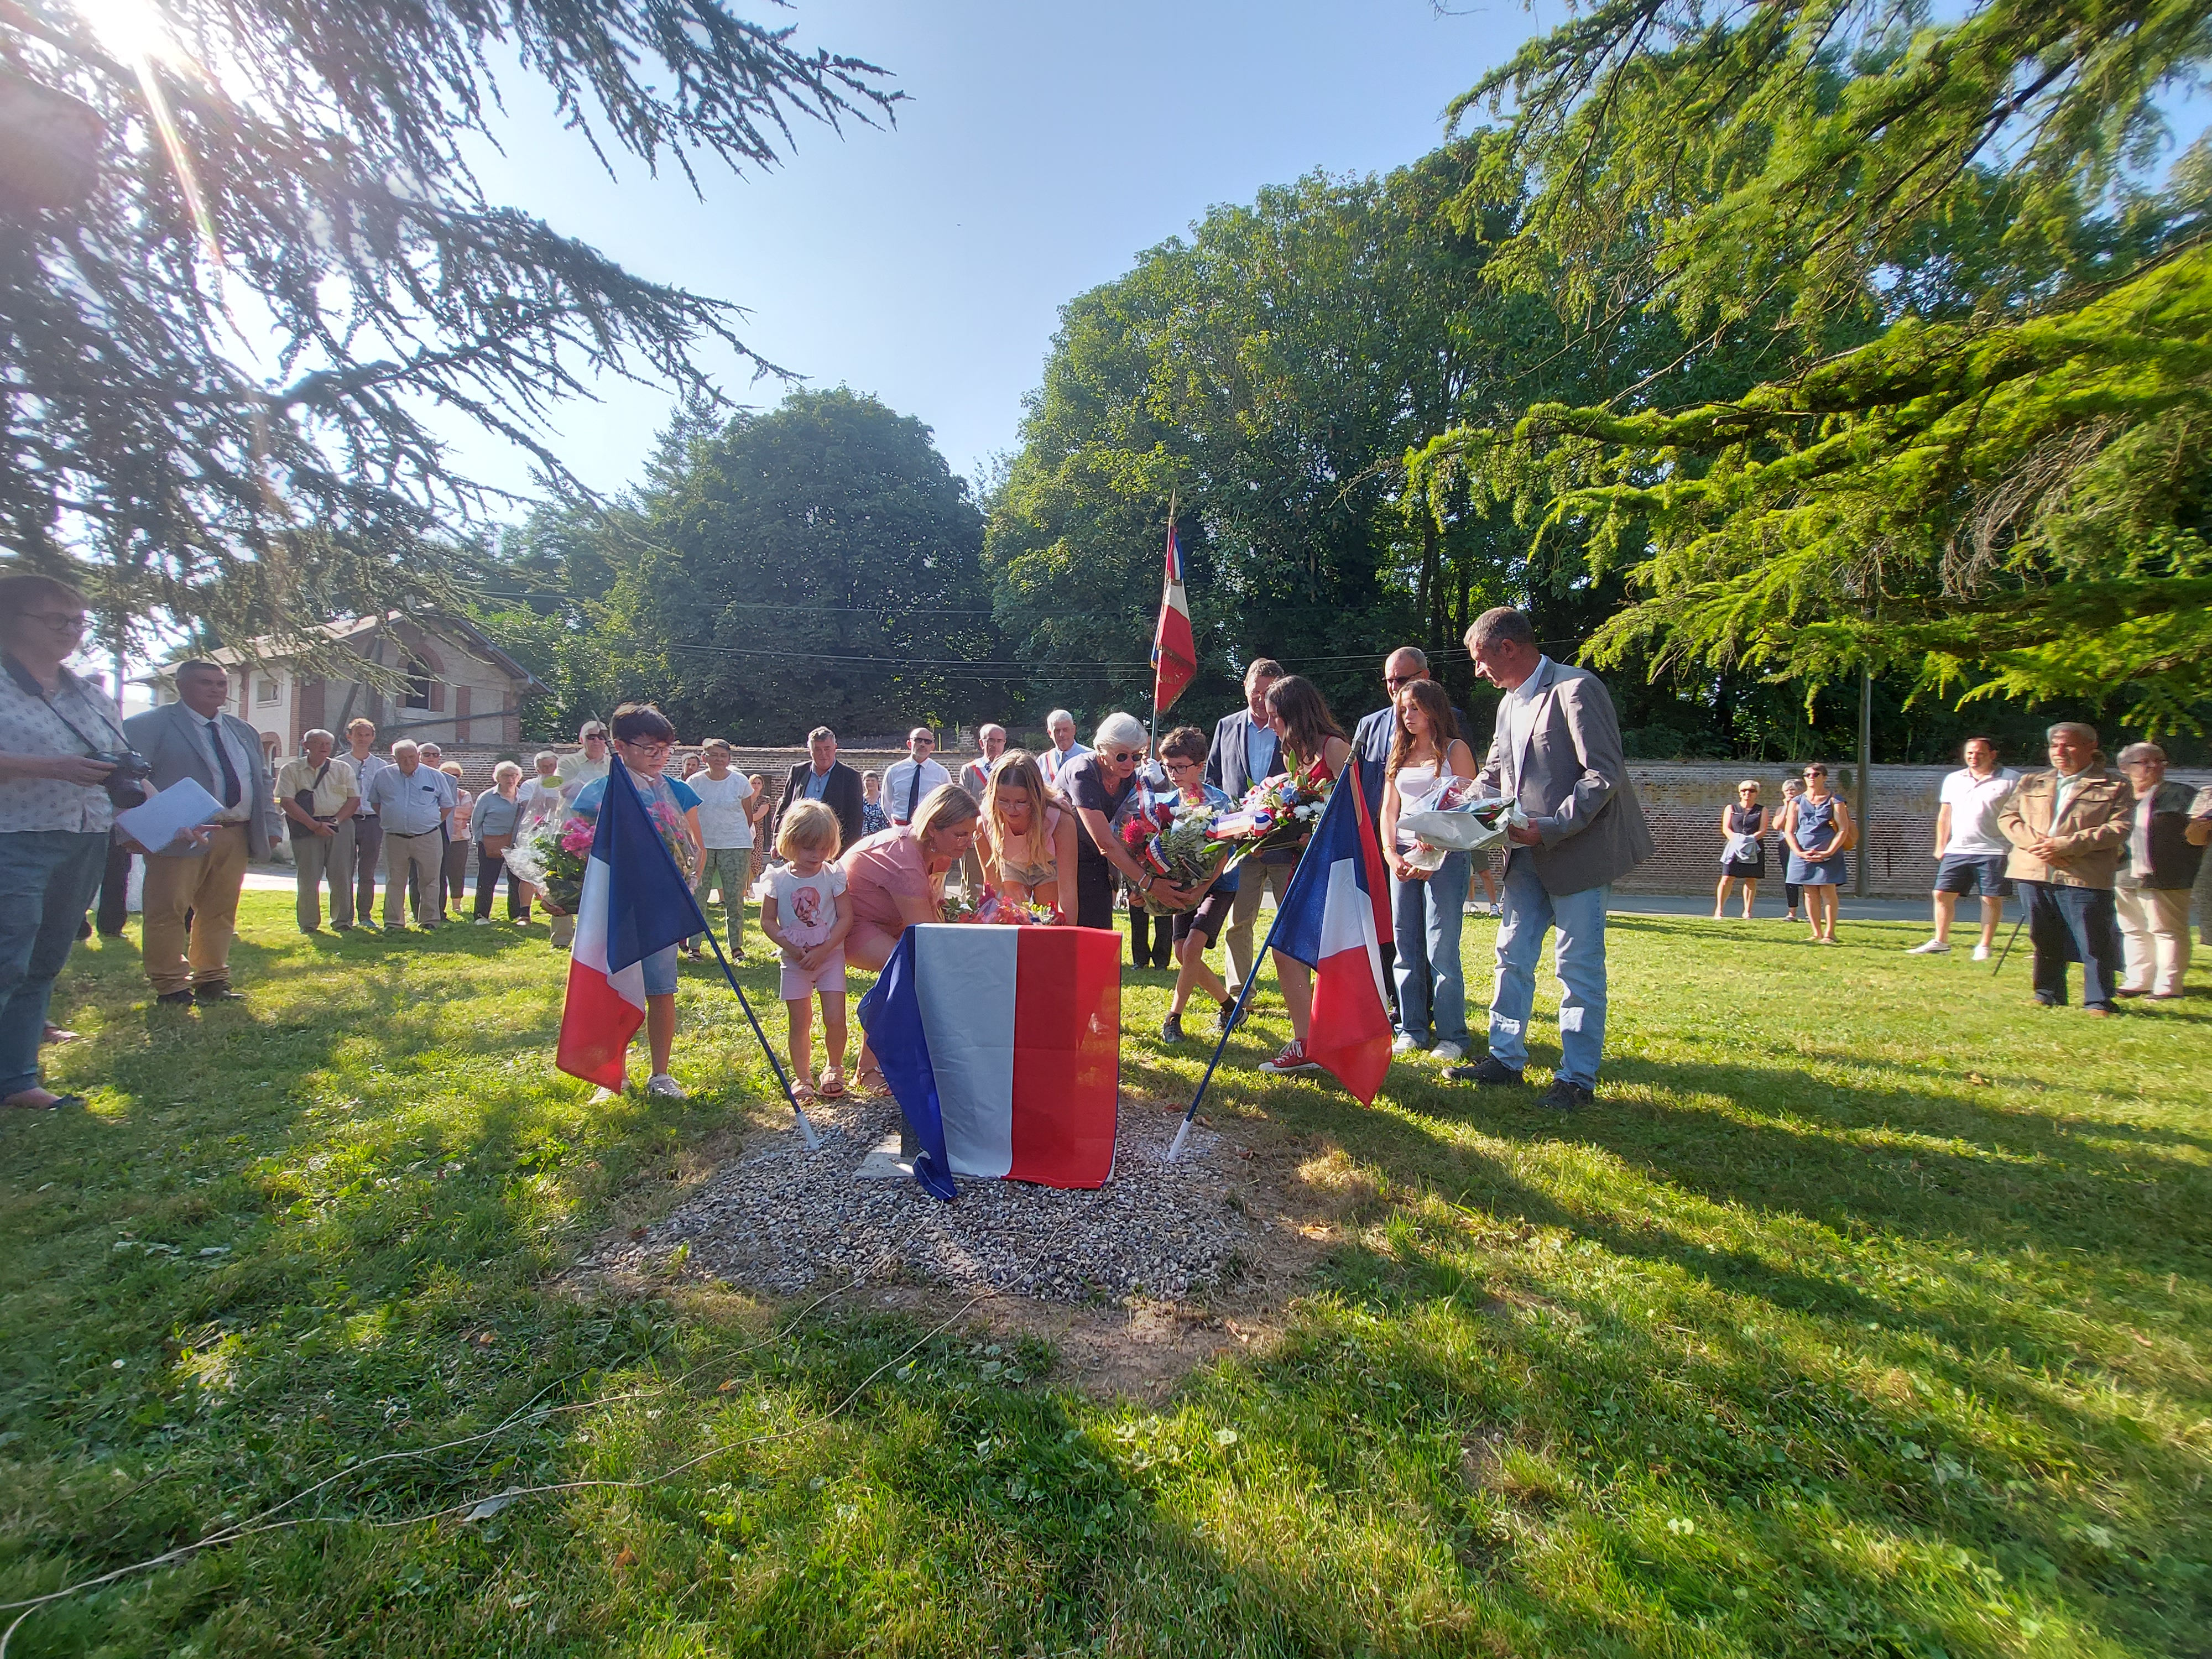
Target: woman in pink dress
{"x": 896, "y": 878}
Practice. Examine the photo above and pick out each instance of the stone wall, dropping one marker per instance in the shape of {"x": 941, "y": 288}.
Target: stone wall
{"x": 1683, "y": 800}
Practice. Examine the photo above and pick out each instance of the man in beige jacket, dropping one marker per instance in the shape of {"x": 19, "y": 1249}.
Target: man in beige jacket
{"x": 2068, "y": 827}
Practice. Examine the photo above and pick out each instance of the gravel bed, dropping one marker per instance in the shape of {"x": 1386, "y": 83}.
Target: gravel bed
{"x": 781, "y": 1219}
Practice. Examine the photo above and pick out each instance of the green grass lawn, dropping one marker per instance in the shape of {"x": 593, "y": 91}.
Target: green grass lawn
{"x": 1868, "y": 1314}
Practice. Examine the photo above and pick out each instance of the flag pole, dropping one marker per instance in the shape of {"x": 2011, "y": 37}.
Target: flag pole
{"x": 807, "y": 1132}
{"x": 1236, "y": 1014}
{"x": 1153, "y": 740}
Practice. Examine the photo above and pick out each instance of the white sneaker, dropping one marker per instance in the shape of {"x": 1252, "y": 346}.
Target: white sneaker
{"x": 1981, "y": 953}
{"x": 483, "y": 921}
{"x": 664, "y": 1086}
{"x": 1405, "y": 1044}
{"x": 1450, "y": 1053}
{"x": 1934, "y": 947}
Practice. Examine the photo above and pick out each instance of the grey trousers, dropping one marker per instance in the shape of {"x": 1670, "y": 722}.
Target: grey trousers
{"x": 416, "y": 861}
{"x": 313, "y": 858}
{"x": 1253, "y": 878}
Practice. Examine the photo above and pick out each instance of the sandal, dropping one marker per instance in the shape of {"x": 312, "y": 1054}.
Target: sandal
{"x": 869, "y": 1080}
{"x": 833, "y": 1082}
{"x": 803, "y": 1092}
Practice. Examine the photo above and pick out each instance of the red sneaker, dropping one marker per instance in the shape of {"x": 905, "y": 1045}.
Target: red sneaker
{"x": 1292, "y": 1058}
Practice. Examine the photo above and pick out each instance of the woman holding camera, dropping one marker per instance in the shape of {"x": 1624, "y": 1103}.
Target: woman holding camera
{"x": 58, "y": 735}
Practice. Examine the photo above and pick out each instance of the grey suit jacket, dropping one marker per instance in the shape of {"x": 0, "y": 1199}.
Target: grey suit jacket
{"x": 169, "y": 739}
{"x": 1224, "y": 762}
{"x": 1572, "y": 781}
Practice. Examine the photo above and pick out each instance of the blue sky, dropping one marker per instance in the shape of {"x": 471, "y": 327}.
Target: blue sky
{"x": 1044, "y": 146}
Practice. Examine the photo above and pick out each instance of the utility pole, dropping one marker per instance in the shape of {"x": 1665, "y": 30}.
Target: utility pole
{"x": 1861, "y": 809}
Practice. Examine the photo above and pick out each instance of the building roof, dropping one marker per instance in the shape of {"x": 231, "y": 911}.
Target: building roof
{"x": 269, "y": 650}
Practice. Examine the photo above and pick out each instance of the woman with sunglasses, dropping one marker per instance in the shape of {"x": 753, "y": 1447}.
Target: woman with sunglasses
{"x": 1310, "y": 737}
{"x": 1817, "y": 829}
{"x": 1743, "y": 848}
{"x": 1097, "y": 785}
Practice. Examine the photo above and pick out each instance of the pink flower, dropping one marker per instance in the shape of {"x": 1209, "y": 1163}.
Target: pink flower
{"x": 576, "y": 836}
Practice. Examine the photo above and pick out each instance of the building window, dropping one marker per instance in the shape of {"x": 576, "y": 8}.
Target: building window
{"x": 265, "y": 692}
{"x": 418, "y": 685}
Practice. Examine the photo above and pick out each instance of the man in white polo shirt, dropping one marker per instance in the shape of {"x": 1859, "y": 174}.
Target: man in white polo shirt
{"x": 1970, "y": 849}
{"x": 907, "y": 783}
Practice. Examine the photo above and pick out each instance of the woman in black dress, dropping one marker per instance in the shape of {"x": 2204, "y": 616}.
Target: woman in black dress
{"x": 1743, "y": 847}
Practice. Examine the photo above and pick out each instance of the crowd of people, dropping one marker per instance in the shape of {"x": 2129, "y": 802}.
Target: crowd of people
{"x": 841, "y": 862}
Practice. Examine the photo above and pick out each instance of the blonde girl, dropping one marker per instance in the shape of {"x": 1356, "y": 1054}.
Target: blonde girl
{"x": 807, "y": 913}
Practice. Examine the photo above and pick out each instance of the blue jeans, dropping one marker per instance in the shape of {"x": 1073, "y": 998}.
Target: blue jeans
{"x": 2068, "y": 924}
{"x": 47, "y": 878}
{"x": 1426, "y": 916}
{"x": 1579, "y": 918}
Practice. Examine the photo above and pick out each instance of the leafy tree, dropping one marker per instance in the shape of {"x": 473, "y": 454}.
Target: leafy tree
{"x": 815, "y": 564}
{"x": 1977, "y": 464}
{"x": 304, "y": 166}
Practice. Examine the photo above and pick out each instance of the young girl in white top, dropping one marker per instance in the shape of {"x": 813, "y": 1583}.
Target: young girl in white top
{"x": 806, "y": 912}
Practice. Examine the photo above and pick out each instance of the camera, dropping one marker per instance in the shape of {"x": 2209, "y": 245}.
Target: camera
{"x": 125, "y": 785}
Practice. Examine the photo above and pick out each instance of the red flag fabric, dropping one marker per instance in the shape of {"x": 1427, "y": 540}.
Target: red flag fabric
{"x": 1174, "y": 652}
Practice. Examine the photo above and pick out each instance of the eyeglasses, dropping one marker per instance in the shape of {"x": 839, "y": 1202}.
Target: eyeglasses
{"x": 648, "y": 749}
{"x": 1398, "y": 682}
{"x": 1746, "y": 792}
{"x": 1816, "y": 771}
{"x": 61, "y": 622}
{"x": 1121, "y": 755}
{"x": 594, "y": 736}
{"x": 1181, "y": 765}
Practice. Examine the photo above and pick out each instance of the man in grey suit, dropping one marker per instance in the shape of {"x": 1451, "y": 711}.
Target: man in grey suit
{"x": 193, "y": 738}
{"x": 1556, "y": 752}
{"x": 1245, "y": 751}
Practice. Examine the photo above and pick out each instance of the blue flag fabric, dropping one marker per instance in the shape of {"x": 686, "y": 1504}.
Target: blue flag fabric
{"x": 649, "y": 905}
{"x": 890, "y": 1013}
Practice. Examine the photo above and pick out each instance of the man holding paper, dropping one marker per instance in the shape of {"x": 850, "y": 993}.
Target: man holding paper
{"x": 193, "y": 740}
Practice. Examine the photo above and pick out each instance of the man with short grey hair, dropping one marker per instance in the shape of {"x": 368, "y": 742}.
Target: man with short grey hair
{"x": 414, "y": 801}
{"x": 976, "y": 776}
{"x": 317, "y": 794}
{"x": 2152, "y": 889}
{"x": 907, "y": 783}
{"x": 1245, "y": 752}
{"x": 2068, "y": 826}
{"x": 195, "y": 738}
{"x": 1061, "y": 750}
{"x": 1555, "y": 752}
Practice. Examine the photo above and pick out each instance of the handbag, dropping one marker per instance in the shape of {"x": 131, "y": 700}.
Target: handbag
{"x": 305, "y": 800}
{"x": 494, "y": 847}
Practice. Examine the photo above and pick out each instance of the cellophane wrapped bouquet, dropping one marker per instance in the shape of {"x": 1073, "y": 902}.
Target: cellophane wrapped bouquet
{"x": 1275, "y": 813}
{"x": 1174, "y": 838}
{"x": 1458, "y": 818}
{"x": 550, "y": 856}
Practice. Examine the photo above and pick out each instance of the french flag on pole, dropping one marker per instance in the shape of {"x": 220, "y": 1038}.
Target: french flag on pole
{"x": 634, "y": 903}
{"x": 1175, "y": 653}
{"x": 1003, "y": 1047}
{"x": 1333, "y": 919}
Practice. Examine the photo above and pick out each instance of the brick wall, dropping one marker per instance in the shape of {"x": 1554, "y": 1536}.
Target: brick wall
{"x": 1682, "y": 799}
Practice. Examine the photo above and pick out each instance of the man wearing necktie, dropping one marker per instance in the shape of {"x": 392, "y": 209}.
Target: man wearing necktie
{"x": 201, "y": 877}
{"x": 907, "y": 783}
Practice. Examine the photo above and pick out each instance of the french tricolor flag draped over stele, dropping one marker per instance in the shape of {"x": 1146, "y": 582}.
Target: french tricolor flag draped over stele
{"x": 1003, "y": 1047}
{"x": 634, "y": 903}
{"x": 1175, "y": 653}
{"x": 1334, "y": 917}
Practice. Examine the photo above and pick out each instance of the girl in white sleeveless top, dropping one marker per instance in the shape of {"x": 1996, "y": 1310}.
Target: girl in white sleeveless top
{"x": 1427, "y": 906}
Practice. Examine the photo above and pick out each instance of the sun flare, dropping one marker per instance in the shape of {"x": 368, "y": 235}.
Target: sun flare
{"x": 132, "y": 29}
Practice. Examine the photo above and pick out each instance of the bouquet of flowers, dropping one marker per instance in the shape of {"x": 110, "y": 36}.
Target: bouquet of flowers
{"x": 1173, "y": 838}
{"x": 1459, "y": 818}
{"x": 956, "y": 907}
{"x": 1012, "y": 913}
{"x": 551, "y": 856}
{"x": 1278, "y": 812}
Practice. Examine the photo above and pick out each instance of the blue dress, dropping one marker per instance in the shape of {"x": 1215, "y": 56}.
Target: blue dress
{"x": 1815, "y": 827}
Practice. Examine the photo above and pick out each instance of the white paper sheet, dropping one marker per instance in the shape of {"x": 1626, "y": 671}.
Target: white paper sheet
{"x": 153, "y": 824}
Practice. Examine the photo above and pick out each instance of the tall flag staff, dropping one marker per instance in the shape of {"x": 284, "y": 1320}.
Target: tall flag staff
{"x": 1175, "y": 649}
